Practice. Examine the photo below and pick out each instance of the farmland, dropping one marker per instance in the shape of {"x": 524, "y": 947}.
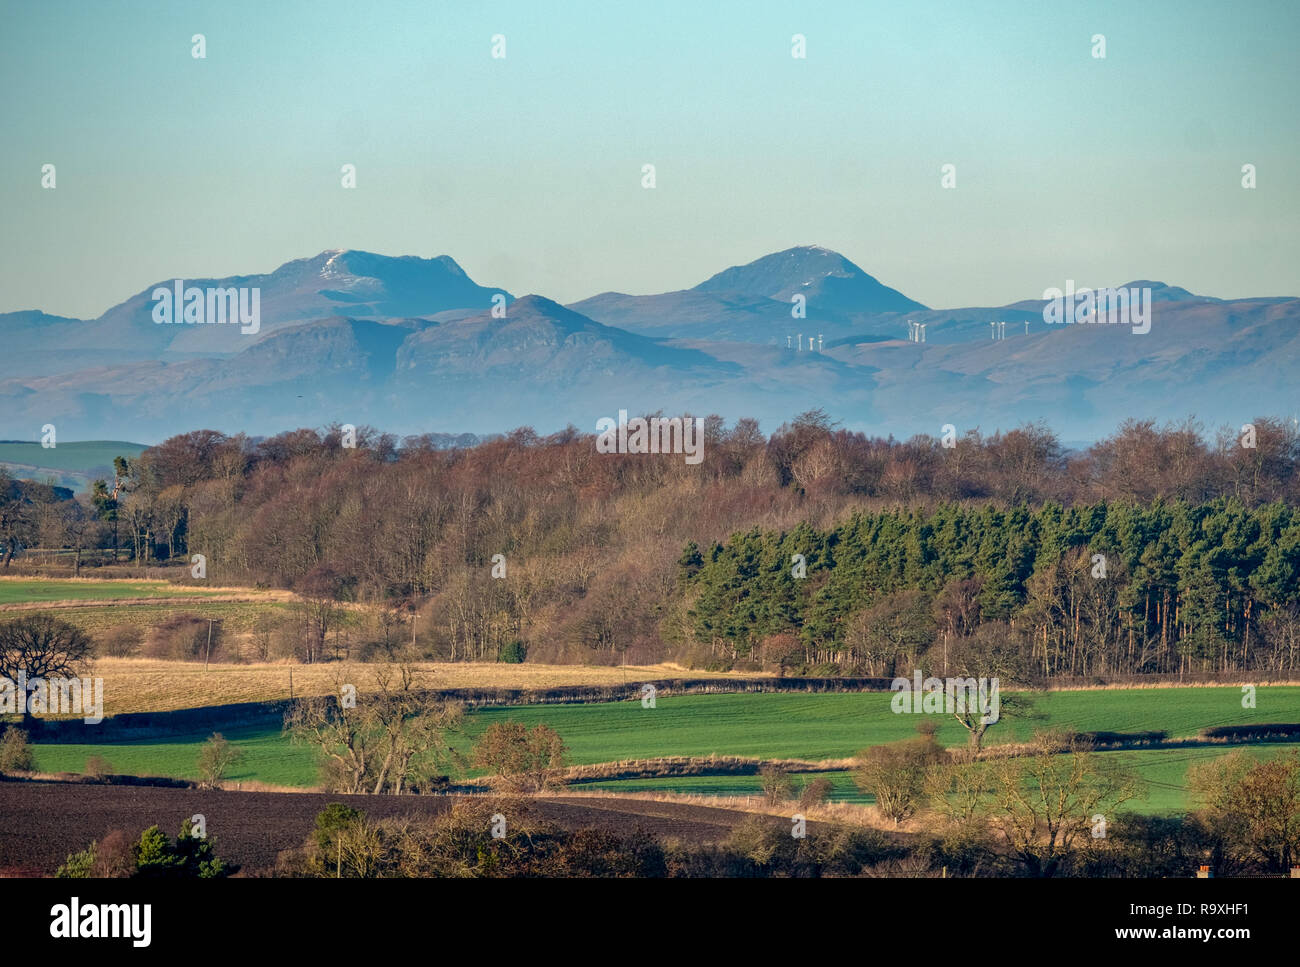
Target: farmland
{"x": 807, "y": 727}
{"x": 1164, "y": 770}
{"x": 146, "y": 685}
{"x": 40, "y": 822}
{"x": 826, "y": 729}
{"x": 137, "y": 684}
{"x": 16, "y": 591}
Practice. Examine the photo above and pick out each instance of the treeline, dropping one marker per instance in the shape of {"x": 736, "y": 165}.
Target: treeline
{"x": 585, "y": 547}
{"x": 1104, "y": 589}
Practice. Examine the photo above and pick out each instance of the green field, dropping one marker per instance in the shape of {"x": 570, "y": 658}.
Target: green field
{"x": 842, "y": 786}
{"x": 1165, "y": 772}
{"x": 835, "y": 725}
{"x": 268, "y": 757}
{"x": 765, "y": 725}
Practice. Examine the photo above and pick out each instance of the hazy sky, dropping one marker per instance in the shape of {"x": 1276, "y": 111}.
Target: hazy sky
{"x": 527, "y": 170}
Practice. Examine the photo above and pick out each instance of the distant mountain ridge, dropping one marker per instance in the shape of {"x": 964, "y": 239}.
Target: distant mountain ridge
{"x": 414, "y": 345}
{"x": 755, "y": 302}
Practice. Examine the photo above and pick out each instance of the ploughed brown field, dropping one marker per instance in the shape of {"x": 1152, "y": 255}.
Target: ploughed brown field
{"x": 42, "y": 822}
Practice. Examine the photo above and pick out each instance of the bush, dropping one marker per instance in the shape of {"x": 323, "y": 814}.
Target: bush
{"x": 776, "y": 784}
{"x": 215, "y": 759}
{"x": 845, "y": 851}
{"x": 113, "y": 858}
{"x": 513, "y": 653}
{"x": 183, "y": 637}
{"x": 762, "y": 846}
{"x": 153, "y": 857}
{"x": 79, "y": 865}
{"x": 524, "y": 760}
{"x": 762, "y": 841}
{"x": 97, "y": 767}
{"x": 156, "y": 857}
{"x": 331, "y": 851}
{"x": 333, "y": 818}
{"x": 460, "y": 843}
{"x": 15, "y": 754}
{"x": 601, "y": 853}
{"x": 274, "y": 638}
{"x": 815, "y": 793}
{"x": 897, "y": 774}
{"x": 120, "y": 642}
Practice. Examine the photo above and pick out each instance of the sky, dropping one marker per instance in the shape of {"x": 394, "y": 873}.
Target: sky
{"x": 528, "y": 169}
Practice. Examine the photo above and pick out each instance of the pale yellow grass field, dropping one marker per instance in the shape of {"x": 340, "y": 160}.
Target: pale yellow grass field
{"x": 828, "y": 812}
{"x": 148, "y": 685}
{"x": 174, "y": 594}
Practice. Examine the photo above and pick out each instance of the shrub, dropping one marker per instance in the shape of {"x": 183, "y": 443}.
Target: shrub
{"x": 513, "y": 653}
{"x": 153, "y": 857}
{"x": 215, "y": 759}
{"x": 896, "y": 774}
{"x": 183, "y": 637}
{"x": 760, "y": 840}
{"x": 599, "y": 852}
{"x": 15, "y": 754}
{"x": 776, "y": 784}
{"x": 335, "y": 847}
{"x": 524, "y": 760}
{"x": 113, "y": 858}
{"x": 156, "y": 857}
{"x": 97, "y": 767}
{"x": 815, "y": 793}
{"x": 333, "y": 818}
{"x": 78, "y": 865}
{"x": 274, "y": 637}
{"x": 120, "y": 642}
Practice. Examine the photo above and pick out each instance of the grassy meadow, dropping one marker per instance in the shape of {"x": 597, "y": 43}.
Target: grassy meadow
{"x": 810, "y": 727}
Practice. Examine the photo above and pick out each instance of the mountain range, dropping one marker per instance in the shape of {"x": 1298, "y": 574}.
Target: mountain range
{"x": 414, "y": 345}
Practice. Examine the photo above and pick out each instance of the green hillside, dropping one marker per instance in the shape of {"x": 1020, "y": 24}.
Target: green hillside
{"x": 72, "y": 465}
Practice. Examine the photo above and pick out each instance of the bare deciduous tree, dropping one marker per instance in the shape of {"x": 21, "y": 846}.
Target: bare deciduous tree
{"x": 1044, "y": 803}
{"x": 389, "y": 741}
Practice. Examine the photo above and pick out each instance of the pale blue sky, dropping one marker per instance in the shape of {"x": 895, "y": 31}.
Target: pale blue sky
{"x": 527, "y": 171}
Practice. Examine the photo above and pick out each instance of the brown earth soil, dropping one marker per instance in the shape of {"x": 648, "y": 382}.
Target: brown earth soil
{"x": 42, "y": 822}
